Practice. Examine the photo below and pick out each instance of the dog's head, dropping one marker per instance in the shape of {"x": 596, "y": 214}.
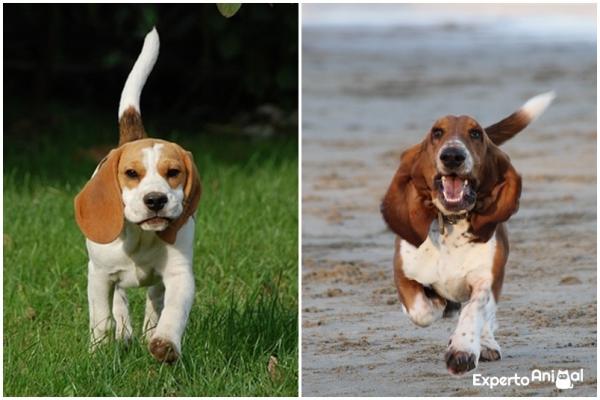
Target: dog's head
{"x": 458, "y": 168}
{"x": 149, "y": 182}
{"x": 453, "y": 163}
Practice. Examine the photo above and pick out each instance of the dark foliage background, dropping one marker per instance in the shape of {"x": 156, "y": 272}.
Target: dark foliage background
{"x": 210, "y": 68}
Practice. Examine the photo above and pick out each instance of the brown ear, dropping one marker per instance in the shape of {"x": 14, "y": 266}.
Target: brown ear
{"x": 192, "y": 192}
{"x": 406, "y": 208}
{"x": 99, "y": 207}
{"x": 500, "y": 198}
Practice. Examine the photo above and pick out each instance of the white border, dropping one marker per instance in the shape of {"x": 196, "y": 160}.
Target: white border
{"x": 299, "y": 200}
{"x": 300, "y": 3}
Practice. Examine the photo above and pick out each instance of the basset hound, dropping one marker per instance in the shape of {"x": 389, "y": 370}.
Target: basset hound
{"x": 447, "y": 204}
{"x": 135, "y": 214}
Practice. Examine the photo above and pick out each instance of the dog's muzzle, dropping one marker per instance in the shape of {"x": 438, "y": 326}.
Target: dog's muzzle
{"x": 155, "y": 201}
{"x": 453, "y": 158}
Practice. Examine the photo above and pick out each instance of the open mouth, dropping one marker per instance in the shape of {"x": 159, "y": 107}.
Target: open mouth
{"x": 455, "y": 192}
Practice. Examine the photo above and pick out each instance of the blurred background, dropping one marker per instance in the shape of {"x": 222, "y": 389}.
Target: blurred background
{"x": 211, "y": 69}
{"x": 375, "y": 77}
{"x": 404, "y": 63}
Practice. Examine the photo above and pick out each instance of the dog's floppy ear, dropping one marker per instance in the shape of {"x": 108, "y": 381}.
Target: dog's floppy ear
{"x": 99, "y": 207}
{"x": 499, "y": 193}
{"x": 406, "y": 209}
{"x": 192, "y": 192}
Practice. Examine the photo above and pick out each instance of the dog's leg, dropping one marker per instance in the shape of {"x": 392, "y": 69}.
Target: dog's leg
{"x": 154, "y": 305}
{"x": 100, "y": 289}
{"x": 123, "y": 330}
{"x": 464, "y": 346}
{"x": 422, "y": 305}
{"x": 490, "y": 349}
{"x": 165, "y": 345}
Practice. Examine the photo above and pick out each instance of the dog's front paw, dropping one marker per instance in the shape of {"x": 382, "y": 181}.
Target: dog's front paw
{"x": 459, "y": 362}
{"x": 124, "y": 337}
{"x": 94, "y": 346}
{"x": 164, "y": 350}
{"x": 489, "y": 354}
{"x": 463, "y": 351}
{"x": 490, "y": 349}
{"x": 97, "y": 341}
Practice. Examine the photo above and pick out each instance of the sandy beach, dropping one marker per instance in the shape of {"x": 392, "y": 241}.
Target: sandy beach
{"x": 369, "y": 92}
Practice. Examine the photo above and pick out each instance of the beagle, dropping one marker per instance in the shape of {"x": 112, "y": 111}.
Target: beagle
{"x": 447, "y": 203}
{"x": 135, "y": 214}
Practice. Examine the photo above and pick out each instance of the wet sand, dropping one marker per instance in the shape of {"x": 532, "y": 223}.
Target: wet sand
{"x": 367, "y": 95}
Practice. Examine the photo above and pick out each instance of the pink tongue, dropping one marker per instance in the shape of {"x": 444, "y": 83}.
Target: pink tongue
{"x": 452, "y": 187}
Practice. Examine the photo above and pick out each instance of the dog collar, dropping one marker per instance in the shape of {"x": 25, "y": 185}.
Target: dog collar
{"x": 450, "y": 220}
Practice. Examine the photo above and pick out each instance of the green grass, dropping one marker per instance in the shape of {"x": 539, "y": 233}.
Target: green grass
{"x": 245, "y": 266}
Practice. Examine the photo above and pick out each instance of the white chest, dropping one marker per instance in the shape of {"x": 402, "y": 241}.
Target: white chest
{"x": 141, "y": 258}
{"x": 126, "y": 265}
{"x": 444, "y": 261}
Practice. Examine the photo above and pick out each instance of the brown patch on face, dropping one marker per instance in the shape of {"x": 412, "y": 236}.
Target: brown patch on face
{"x": 463, "y": 128}
{"x": 131, "y": 168}
{"x": 131, "y": 173}
{"x": 171, "y": 166}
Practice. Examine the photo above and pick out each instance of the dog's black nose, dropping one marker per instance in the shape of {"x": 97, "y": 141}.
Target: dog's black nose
{"x": 155, "y": 200}
{"x": 453, "y": 157}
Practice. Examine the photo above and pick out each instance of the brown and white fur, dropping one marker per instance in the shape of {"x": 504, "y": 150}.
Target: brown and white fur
{"x": 135, "y": 214}
{"x": 447, "y": 203}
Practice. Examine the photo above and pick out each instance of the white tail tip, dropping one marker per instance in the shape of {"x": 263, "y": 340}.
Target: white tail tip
{"x": 130, "y": 97}
{"x": 536, "y": 106}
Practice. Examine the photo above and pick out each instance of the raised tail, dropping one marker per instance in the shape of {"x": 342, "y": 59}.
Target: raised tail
{"x": 130, "y": 118}
{"x": 501, "y": 131}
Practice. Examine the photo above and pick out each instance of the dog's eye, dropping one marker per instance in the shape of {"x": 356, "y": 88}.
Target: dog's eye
{"x": 131, "y": 173}
{"x": 172, "y": 173}
{"x": 475, "y": 134}
{"x": 437, "y": 133}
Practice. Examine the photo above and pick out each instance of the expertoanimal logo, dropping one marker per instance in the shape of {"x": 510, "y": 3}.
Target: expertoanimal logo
{"x": 563, "y": 379}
